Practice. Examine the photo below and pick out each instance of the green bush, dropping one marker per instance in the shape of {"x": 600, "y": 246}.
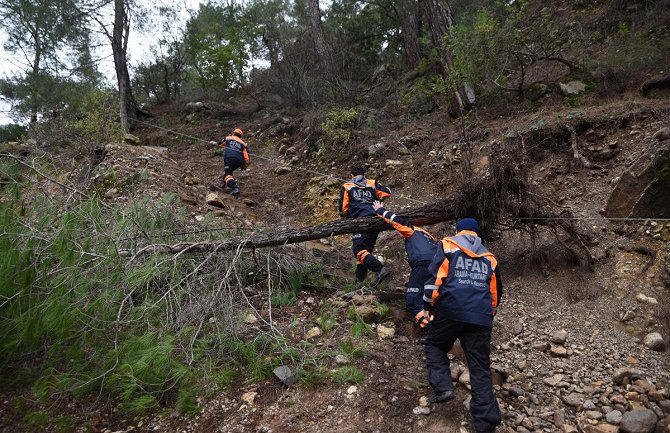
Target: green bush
{"x": 339, "y": 125}
{"x": 11, "y": 132}
{"x": 347, "y": 374}
{"x": 136, "y": 331}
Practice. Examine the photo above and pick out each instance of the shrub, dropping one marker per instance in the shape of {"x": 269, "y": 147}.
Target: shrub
{"x": 347, "y": 374}
{"x": 339, "y": 124}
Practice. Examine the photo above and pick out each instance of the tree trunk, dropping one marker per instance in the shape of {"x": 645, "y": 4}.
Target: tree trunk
{"x": 35, "y": 77}
{"x": 127, "y": 104}
{"x": 440, "y": 20}
{"x": 410, "y": 31}
{"x": 317, "y": 34}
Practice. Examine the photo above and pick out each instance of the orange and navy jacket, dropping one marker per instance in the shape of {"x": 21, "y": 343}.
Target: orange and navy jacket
{"x": 357, "y": 195}
{"x": 464, "y": 280}
{"x": 419, "y": 244}
{"x": 236, "y": 149}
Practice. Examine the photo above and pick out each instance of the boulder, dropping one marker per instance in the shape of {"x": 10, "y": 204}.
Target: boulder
{"x": 642, "y": 190}
{"x": 572, "y": 88}
{"x": 285, "y": 375}
{"x": 638, "y": 421}
{"x": 654, "y": 341}
{"x": 131, "y": 139}
{"x": 385, "y": 332}
{"x": 213, "y": 199}
{"x": 662, "y": 134}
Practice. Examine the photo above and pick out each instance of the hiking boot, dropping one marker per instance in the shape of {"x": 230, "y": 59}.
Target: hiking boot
{"x": 235, "y": 192}
{"x": 439, "y": 397}
{"x": 383, "y": 273}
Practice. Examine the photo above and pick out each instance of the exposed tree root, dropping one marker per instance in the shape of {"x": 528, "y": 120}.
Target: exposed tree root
{"x": 576, "y": 152}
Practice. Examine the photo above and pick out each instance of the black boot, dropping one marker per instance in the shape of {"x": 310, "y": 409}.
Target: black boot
{"x": 383, "y": 273}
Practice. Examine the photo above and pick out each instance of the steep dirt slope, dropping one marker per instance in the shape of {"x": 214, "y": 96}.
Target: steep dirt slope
{"x": 575, "y": 384}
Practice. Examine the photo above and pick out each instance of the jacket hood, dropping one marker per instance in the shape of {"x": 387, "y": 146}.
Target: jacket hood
{"x": 360, "y": 180}
{"x": 471, "y": 242}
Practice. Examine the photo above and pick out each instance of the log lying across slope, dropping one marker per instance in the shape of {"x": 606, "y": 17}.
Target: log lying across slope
{"x": 425, "y": 215}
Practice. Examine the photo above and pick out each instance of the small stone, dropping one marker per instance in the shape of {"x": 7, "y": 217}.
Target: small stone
{"x": 249, "y": 202}
{"x": 541, "y": 346}
{"x": 518, "y": 328}
{"x": 638, "y": 421}
{"x": 313, "y": 332}
{"x": 282, "y": 170}
{"x": 620, "y": 374}
{"x": 375, "y": 150}
{"x": 285, "y": 375}
{"x": 573, "y": 399}
{"x": 654, "y": 341}
{"x": 423, "y": 401}
{"x": 554, "y": 380}
{"x": 352, "y": 389}
{"x": 213, "y": 199}
{"x": 393, "y": 163}
{"x": 464, "y": 378}
{"x": 456, "y": 370}
{"x": 250, "y": 319}
{"x": 341, "y": 360}
{"x": 384, "y": 332}
{"x": 249, "y": 397}
{"x": 131, "y": 139}
{"x": 662, "y": 134}
{"x": 594, "y": 414}
{"x": 568, "y": 428}
{"x": 421, "y": 410}
{"x": 641, "y": 297}
{"x": 111, "y": 193}
{"x": 613, "y": 417}
{"x": 559, "y": 337}
{"x": 589, "y": 405}
{"x": 558, "y": 351}
{"x": 572, "y": 88}
{"x": 602, "y": 428}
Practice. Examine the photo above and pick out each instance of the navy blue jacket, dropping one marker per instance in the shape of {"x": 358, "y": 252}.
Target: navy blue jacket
{"x": 464, "y": 280}
{"x": 419, "y": 244}
{"x": 357, "y": 195}
{"x": 235, "y": 150}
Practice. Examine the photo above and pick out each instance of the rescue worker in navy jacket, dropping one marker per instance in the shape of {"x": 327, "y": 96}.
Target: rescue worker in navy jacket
{"x": 235, "y": 155}
{"x": 462, "y": 294}
{"x": 356, "y": 197}
{"x": 420, "y": 247}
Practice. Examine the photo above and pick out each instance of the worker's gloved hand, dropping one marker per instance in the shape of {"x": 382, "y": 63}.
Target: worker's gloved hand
{"x": 423, "y": 318}
{"x": 212, "y": 143}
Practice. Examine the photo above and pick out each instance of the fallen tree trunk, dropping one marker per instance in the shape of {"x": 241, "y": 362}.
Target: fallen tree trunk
{"x": 429, "y": 214}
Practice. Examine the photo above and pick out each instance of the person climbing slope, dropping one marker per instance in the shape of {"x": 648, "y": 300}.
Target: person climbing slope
{"x": 463, "y": 291}
{"x": 356, "y": 197}
{"x": 420, "y": 247}
{"x": 235, "y": 155}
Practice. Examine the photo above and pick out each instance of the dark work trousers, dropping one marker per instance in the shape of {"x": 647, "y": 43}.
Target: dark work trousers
{"x": 230, "y": 165}
{"x": 476, "y": 343}
{"x": 414, "y": 288}
{"x": 363, "y": 246}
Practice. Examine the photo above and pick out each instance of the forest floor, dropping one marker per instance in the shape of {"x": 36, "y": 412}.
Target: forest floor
{"x": 573, "y": 383}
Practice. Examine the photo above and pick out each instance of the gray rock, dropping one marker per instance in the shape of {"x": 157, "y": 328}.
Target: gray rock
{"x": 281, "y": 170}
{"x": 559, "y": 337}
{"x": 573, "y": 399}
{"x": 589, "y": 405}
{"x": 285, "y": 375}
{"x": 638, "y": 421}
{"x": 376, "y": 149}
{"x": 421, "y": 410}
{"x": 558, "y": 351}
{"x": 662, "y": 134}
{"x": 572, "y": 88}
{"x": 341, "y": 360}
{"x": 614, "y": 417}
{"x": 654, "y": 341}
{"x": 131, "y": 139}
{"x": 536, "y": 91}
{"x": 620, "y": 374}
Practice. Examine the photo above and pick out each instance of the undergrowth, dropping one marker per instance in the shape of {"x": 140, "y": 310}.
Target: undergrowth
{"x": 81, "y": 314}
